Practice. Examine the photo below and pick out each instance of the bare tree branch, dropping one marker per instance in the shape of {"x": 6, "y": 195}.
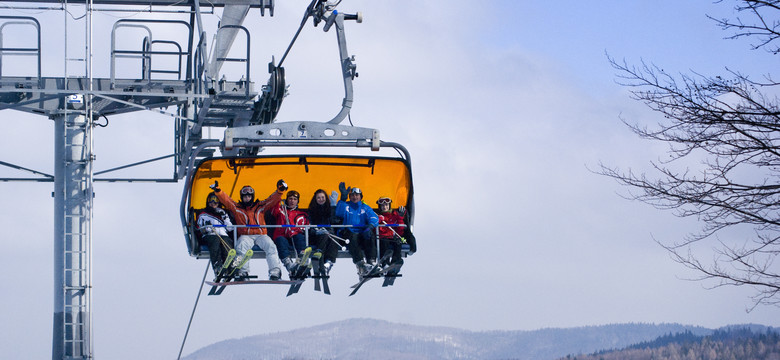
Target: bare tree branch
{"x": 728, "y": 130}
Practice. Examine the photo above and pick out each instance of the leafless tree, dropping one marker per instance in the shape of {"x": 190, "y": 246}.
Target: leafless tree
{"x": 730, "y": 126}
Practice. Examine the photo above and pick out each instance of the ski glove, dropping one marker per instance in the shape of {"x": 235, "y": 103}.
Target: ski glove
{"x": 344, "y": 191}
{"x": 334, "y": 198}
{"x": 402, "y": 211}
{"x": 215, "y": 186}
{"x": 281, "y": 185}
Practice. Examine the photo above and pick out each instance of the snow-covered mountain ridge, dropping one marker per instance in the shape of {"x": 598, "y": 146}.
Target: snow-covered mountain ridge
{"x": 378, "y": 339}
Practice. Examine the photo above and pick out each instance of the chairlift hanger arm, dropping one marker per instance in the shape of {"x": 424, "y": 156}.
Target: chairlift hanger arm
{"x": 331, "y": 16}
{"x": 325, "y": 11}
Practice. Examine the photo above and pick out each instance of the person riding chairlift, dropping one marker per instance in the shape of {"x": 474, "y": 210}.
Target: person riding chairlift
{"x": 320, "y": 213}
{"x": 250, "y": 211}
{"x": 211, "y": 222}
{"x": 392, "y": 237}
{"x": 363, "y": 219}
{"x": 290, "y": 238}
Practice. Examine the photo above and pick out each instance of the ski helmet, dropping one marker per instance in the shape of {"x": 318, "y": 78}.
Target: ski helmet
{"x": 212, "y": 197}
{"x": 384, "y": 200}
{"x": 356, "y": 191}
{"x": 247, "y": 190}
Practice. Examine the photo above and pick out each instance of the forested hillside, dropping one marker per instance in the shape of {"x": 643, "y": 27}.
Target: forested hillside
{"x": 727, "y": 344}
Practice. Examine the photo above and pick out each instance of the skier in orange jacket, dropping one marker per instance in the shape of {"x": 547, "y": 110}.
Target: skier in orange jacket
{"x": 250, "y": 211}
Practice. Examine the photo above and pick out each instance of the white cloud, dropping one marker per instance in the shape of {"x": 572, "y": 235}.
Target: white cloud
{"x": 515, "y": 231}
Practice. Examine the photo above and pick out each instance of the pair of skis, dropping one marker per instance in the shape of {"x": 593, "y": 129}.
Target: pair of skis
{"x": 225, "y": 276}
{"x": 226, "y": 271}
{"x": 377, "y": 271}
{"x": 391, "y": 274}
{"x": 318, "y": 265}
{"x": 301, "y": 272}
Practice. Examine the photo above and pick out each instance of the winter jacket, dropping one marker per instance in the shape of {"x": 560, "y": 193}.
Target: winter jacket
{"x": 285, "y": 216}
{"x": 320, "y": 215}
{"x": 210, "y": 216}
{"x": 359, "y": 215}
{"x": 391, "y": 218}
{"x": 249, "y": 215}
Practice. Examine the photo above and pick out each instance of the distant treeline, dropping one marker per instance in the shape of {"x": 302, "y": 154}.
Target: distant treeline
{"x": 724, "y": 344}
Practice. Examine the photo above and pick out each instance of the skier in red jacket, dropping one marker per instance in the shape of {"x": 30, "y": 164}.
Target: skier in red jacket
{"x": 290, "y": 238}
{"x": 391, "y": 237}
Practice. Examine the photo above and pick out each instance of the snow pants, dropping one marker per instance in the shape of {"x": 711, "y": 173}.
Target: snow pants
{"x": 329, "y": 249}
{"x": 265, "y": 243}
{"x": 217, "y": 250}
{"x": 361, "y": 245}
{"x": 287, "y": 246}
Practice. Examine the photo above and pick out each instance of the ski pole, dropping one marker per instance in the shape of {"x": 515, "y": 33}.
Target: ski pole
{"x": 403, "y": 241}
{"x": 224, "y": 243}
{"x": 334, "y": 238}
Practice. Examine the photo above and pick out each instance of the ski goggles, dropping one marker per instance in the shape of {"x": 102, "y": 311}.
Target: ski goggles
{"x": 293, "y": 193}
{"x": 384, "y": 201}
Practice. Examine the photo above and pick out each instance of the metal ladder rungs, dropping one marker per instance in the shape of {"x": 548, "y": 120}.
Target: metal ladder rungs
{"x": 71, "y": 288}
{"x": 76, "y": 340}
{"x": 75, "y": 306}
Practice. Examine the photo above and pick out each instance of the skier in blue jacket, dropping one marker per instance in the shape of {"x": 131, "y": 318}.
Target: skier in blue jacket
{"x": 362, "y": 245}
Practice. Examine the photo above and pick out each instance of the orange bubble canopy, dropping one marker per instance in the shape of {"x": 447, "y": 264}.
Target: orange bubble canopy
{"x": 375, "y": 176}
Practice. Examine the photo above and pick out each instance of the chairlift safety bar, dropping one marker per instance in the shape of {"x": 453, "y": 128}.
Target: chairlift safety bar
{"x": 259, "y": 254}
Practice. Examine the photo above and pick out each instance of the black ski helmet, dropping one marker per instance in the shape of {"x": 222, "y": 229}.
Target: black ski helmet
{"x": 247, "y": 190}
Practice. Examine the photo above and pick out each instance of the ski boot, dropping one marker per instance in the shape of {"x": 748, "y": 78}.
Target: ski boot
{"x": 327, "y": 266}
{"x": 274, "y": 274}
{"x": 363, "y": 268}
{"x": 217, "y": 267}
{"x": 290, "y": 265}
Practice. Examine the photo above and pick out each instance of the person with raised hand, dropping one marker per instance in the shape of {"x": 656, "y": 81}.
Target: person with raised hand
{"x": 250, "y": 211}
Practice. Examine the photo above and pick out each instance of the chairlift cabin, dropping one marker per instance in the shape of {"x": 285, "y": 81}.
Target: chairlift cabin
{"x": 303, "y": 171}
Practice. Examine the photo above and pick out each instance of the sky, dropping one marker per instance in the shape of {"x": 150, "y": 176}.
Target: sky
{"x": 506, "y": 107}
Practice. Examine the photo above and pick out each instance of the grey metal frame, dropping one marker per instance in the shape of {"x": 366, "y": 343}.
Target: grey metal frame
{"x": 36, "y": 51}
